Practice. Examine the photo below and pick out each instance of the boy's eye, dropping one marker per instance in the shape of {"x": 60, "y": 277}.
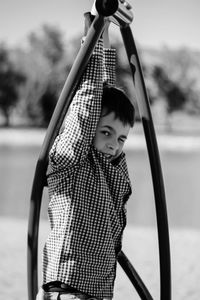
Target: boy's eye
{"x": 121, "y": 141}
{"x": 106, "y": 133}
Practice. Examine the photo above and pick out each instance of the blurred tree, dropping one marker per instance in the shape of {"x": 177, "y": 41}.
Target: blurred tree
{"x": 37, "y": 71}
{"x": 183, "y": 67}
{"x": 10, "y": 81}
{"x": 169, "y": 89}
{"x": 52, "y": 91}
{"x": 45, "y": 64}
{"x": 57, "y": 78}
{"x": 48, "y": 42}
{"x": 171, "y": 75}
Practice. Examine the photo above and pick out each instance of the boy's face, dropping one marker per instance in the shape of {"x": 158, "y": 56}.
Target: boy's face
{"x": 110, "y": 136}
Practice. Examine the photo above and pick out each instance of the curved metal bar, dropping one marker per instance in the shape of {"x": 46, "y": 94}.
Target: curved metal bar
{"x": 133, "y": 276}
{"x": 156, "y": 171}
{"x": 119, "y": 11}
{"x": 40, "y": 172}
{"x": 106, "y": 7}
{"x": 53, "y": 129}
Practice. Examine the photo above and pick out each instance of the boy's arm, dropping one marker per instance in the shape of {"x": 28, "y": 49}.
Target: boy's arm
{"x": 109, "y": 75}
{"x": 72, "y": 145}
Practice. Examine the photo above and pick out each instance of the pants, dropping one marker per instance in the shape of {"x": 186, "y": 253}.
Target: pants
{"x": 42, "y": 295}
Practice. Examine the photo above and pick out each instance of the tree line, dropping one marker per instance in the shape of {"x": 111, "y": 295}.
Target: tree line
{"x": 32, "y": 76}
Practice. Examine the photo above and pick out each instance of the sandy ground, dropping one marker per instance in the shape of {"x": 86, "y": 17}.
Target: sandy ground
{"x": 140, "y": 245}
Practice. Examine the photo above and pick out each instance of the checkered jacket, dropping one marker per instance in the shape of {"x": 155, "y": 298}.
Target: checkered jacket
{"x": 87, "y": 193}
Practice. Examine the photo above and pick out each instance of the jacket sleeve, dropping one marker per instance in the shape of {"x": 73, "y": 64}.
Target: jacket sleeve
{"x": 109, "y": 74}
{"x": 72, "y": 145}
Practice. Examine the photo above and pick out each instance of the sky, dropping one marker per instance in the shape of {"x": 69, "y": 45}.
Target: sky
{"x": 173, "y": 23}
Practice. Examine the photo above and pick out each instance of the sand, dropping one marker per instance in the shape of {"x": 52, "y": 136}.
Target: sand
{"x": 140, "y": 245}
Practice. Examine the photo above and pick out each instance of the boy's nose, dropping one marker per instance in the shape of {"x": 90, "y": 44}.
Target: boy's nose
{"x": 113, "y": 147}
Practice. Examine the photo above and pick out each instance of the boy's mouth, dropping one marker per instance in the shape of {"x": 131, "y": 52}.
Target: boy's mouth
{"x": 109, "y": 156}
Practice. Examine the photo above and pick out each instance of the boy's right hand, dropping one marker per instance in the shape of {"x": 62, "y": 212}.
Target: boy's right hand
{"x": 89, "y": 15}
{"x": 90, "y": 6}
{"x": 93, "y": 9}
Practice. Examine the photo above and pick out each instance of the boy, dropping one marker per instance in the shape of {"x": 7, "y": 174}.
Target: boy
{"x": 88, "y": 187}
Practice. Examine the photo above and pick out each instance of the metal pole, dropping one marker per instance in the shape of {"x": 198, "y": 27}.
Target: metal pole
{"x": 122, "y": 18}
{"x": 52, "y": 131}
{"x": 157, "y": 177}
{"x": 133, "y": 276}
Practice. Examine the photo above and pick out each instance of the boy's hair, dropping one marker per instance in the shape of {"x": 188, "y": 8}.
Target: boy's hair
{"x": 115, "y": 100}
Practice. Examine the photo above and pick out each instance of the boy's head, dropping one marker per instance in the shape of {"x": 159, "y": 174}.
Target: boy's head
{"x": 117, "y": 117}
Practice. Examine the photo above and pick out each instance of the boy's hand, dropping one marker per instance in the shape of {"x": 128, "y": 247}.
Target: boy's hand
{"x": 88, "y": 20}
{"x": 90, "y": 6}
{"x": 89, "y": 15}
{"x": 93, "y": 10}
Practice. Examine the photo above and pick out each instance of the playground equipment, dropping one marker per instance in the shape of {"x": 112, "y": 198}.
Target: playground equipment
{"x": 120, "y": 13}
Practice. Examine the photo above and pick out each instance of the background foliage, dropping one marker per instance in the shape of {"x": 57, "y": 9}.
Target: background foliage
{"x": 32, "y": 77}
